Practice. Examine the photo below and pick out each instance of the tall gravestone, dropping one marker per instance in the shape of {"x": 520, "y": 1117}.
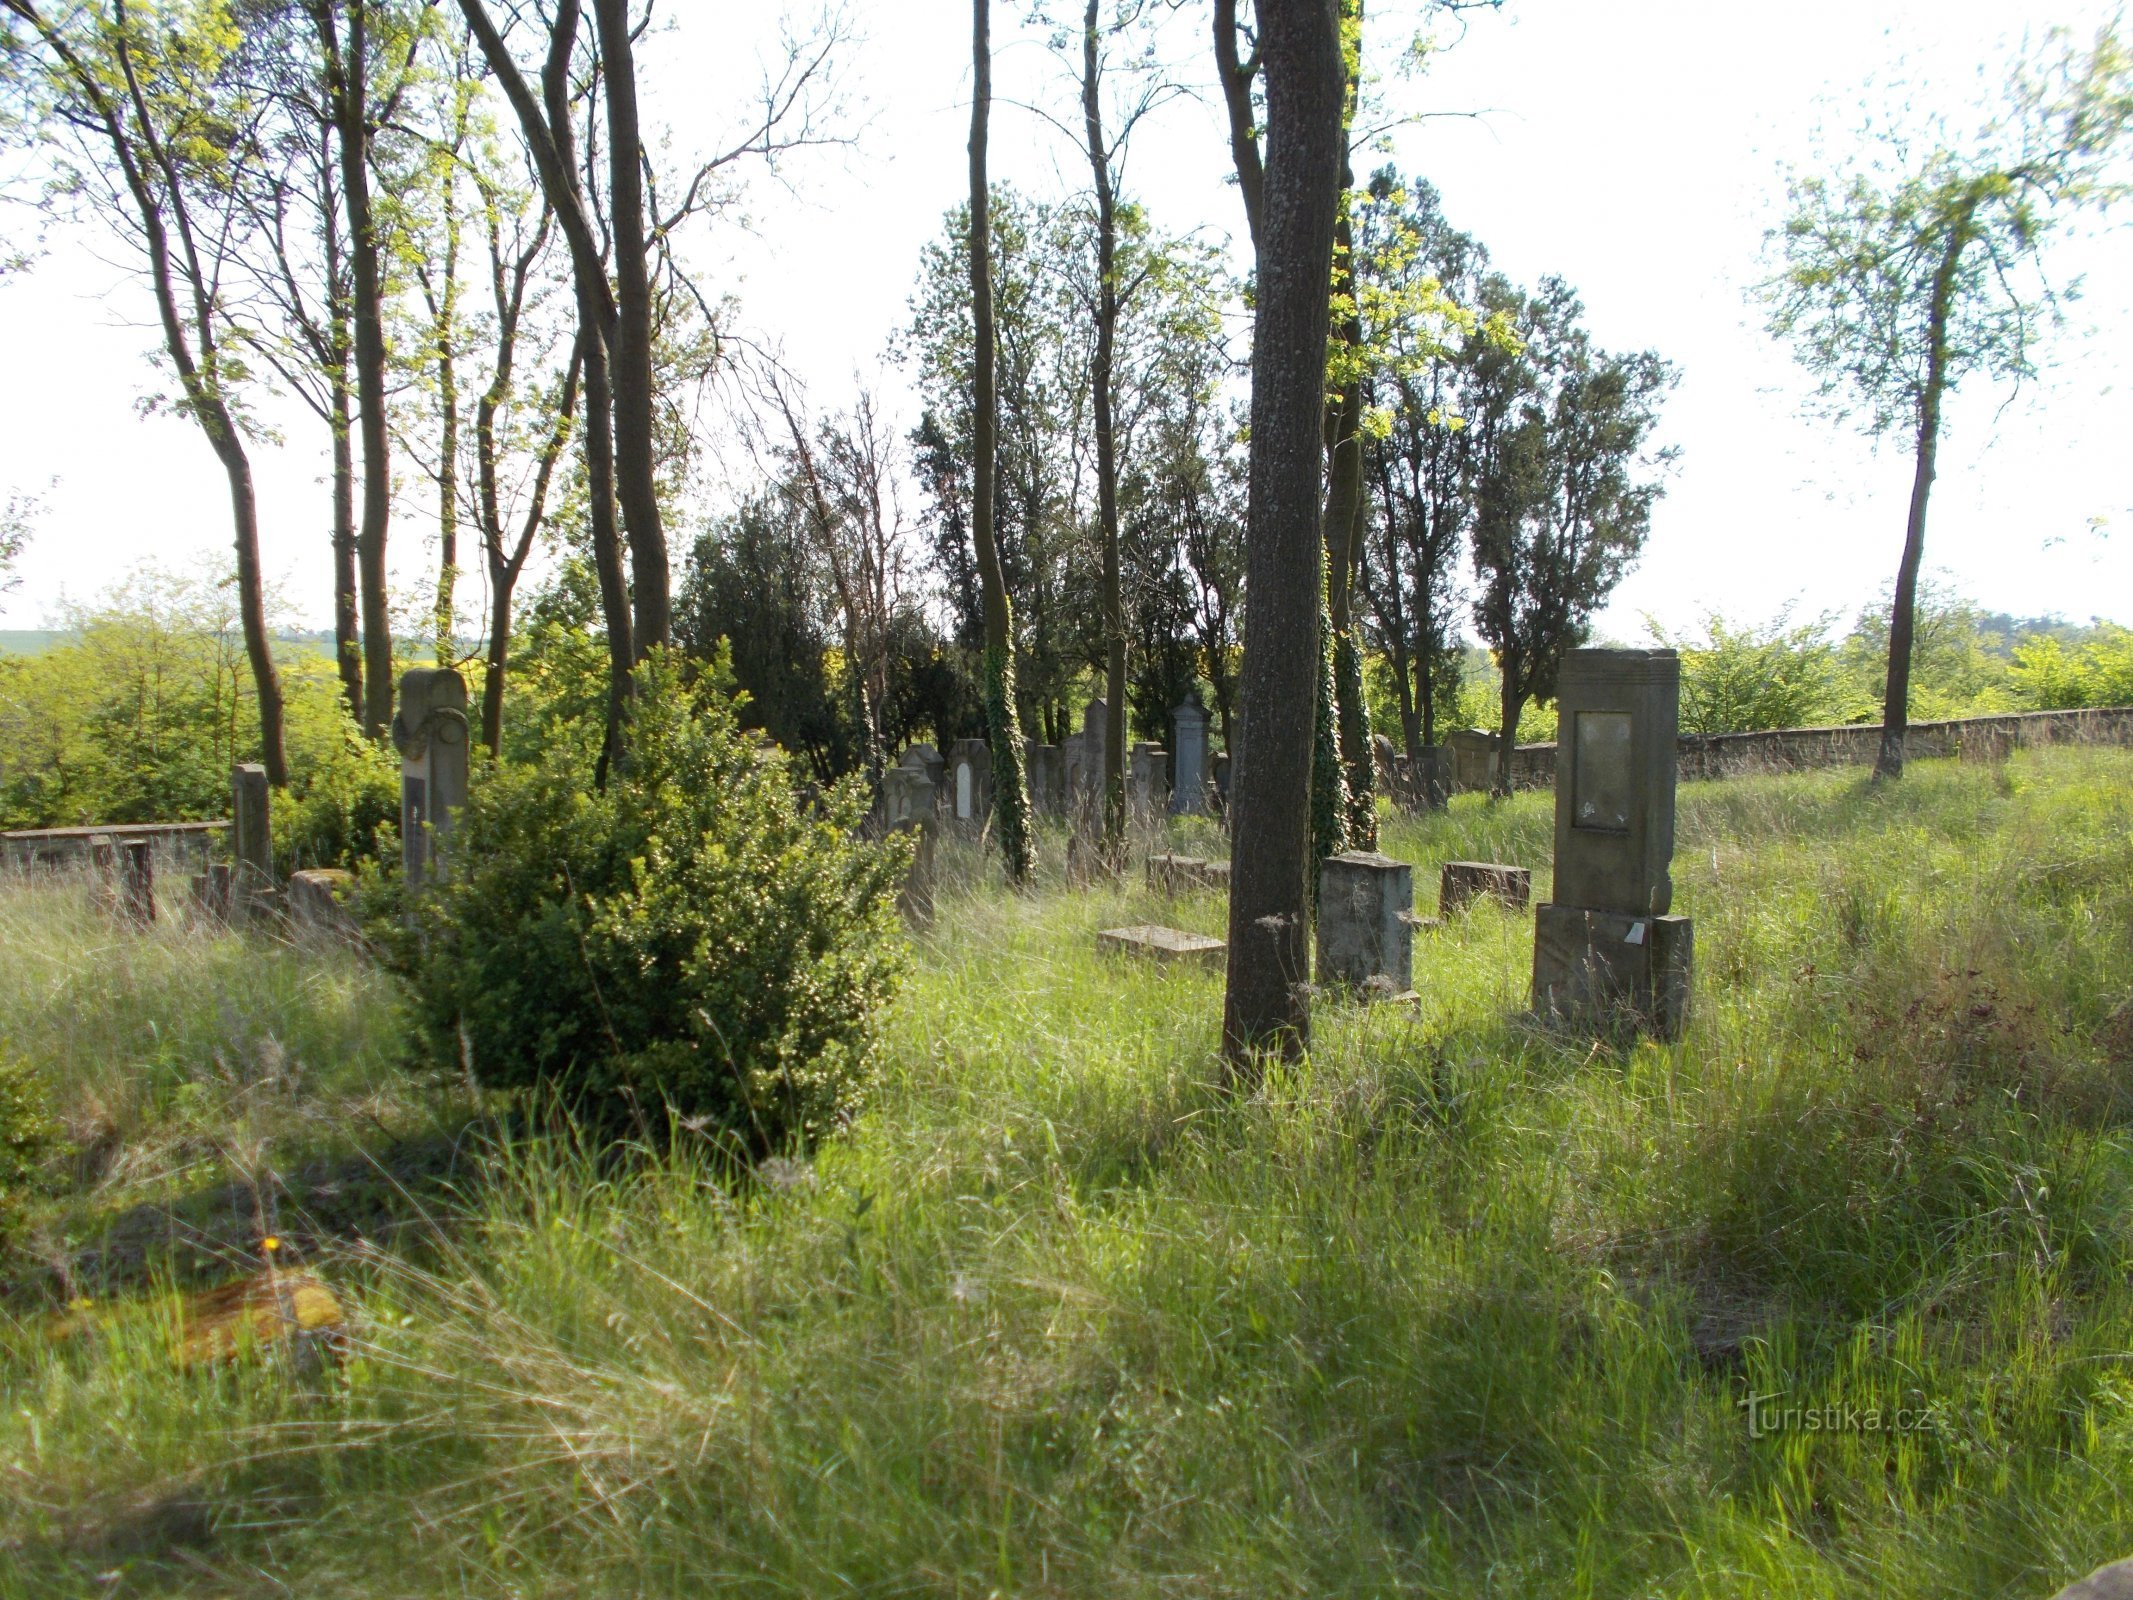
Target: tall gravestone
{"x": 970, "y": 781}
{"x": 1606, "y": 950}
{"x": 430, "y": 732}
{"x": 1188, "y": 751}
{"x": 251, "y": 844}
{"x": 1148, "y": 781}
{"x": 1043, "y": 766}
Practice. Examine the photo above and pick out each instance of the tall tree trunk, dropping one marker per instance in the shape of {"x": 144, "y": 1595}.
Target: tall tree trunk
{"x": 1106, "y": 437}
{"x": 630, "y": 355}
{"x": 547, "y": 126}
{"x": 1237, "y": 74}
{"x": 1903, "y": 613}
{"x": 447, "y": 338}
{"x": 348, "y": 88}
{"x": 1010, "y": 773}
{"x": 1513, "y": 706}
{"x": 1267, "y": 1003}
{"x": 1344, "y": 509}
{"x": 347, "y": 639}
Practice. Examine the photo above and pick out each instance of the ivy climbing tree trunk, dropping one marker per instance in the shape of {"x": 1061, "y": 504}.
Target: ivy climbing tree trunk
{"x": 1010, "y": 773}
{"x": 1267, "y": 1003}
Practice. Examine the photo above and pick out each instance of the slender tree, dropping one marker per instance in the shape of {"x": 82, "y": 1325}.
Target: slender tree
{"x": 1267, "y": 1002}
{"x": 150, "y": 133}
{"x": 1011, "y": 805}
{"x": 1893, "y": 291}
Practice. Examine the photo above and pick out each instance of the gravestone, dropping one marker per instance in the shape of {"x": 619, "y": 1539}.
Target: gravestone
{"x": 1430, "y": 777}
{"x": 103, "y": 876}
{"x": 1224, "y": 776}
{"x": 1174, "y": 875}
{"x": 1473, "y": 759}
{"x": 1188, "y": 745}
{"x": 1073, "y": 759}
{"x": 2114, "y": 1582}
{"x": 906, "y": 795}
{"x": 430, "y": 732}
{"x": 1606, "y": 952}
{"x": 1464, "y": 882}
{"x": 211, "y": 893}
{"x": 1165, "y": 945}
{"x": 1043, "y": 760}
{"x": 914, "y": 898}
{"x": 318, "y": 904}
{"x": 1148, "y": 782}
{"x": 970, "y": 782}
{"x": 138, "y": 883}
{"x": 1095, "y": 754}
{"x": 251, "y": 845}
{"x": 1366, "y": 923}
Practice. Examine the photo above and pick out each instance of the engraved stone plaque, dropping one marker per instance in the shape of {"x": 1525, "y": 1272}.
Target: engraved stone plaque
{"x": 1603, "y": 781}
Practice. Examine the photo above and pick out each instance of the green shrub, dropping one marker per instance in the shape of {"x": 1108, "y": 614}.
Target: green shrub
{"x": 346, "y": 809}
{"x": 28, "y": 1136}
{"x": 690, "y": 940}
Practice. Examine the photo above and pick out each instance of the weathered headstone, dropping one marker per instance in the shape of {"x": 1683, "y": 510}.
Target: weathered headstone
{"x": 1473, "y": 759}
{"x": 211, "y": 893}
{"x": 251, "y": 845}
{"x": 2114, "y": 1582}
{"x": 1148, "y": 782}
{"x": 318, "y": 903}
{"x": 1605, "y": 949}
{"x": 1088, "y": 800}
{"x": 138, "y": 893}
{"x": 915, "y": 897}
{"x": 1463, "y": 882}
{"x": 1162, "y": 944}
{"x": 430, "y": 732}
{"x": 1188, "y": 745}
{"x": 1431, "y": 777}
{"x": 1366, "y": 905}
{"x": 1043, "y": 763}
{"x": 970, "y": 781}
{"x": 1173, "y": 874}
{"x": 103, "y": 876}
{"x": 906, "y": 795}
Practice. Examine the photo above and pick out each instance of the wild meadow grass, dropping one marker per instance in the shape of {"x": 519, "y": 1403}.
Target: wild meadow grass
{"x": 1456, "y": 1307}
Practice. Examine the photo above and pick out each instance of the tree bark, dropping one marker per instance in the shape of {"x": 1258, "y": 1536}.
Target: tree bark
{"x": 1237, "y": 75}
{"x": 1010, "y": 774}
{"x": 1903, "y": 612}
{"x": 1106, "y": 436}
{"x": 1513, "y": 707}
{"x": 1267, "y": 1003}
{"x": 347, "y": 637}
{"x": 630, "y": 354}
{"x": 348, "y": 91}
{"x": 547, "y": 128}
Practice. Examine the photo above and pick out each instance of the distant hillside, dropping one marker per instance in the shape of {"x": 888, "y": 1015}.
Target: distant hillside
{"x": 36, "y": 641}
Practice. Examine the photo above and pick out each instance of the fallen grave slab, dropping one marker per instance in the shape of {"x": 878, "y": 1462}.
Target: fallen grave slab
{"x": 1466, "y": 881}
{"x": 1166, "y": 945}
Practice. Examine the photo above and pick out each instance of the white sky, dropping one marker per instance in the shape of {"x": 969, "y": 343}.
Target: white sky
{"x": 1633, "y": 146}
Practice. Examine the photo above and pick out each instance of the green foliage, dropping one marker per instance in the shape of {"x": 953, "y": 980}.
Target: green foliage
{"x": 2047, "y": 675}
{"x": 1741, "y": 677}
{"x": 689, "y": 939}
{"x": 29, "y": 1136}
{"x": 343, "y": 806}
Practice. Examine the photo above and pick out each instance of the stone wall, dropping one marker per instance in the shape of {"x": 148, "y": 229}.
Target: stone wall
{"x": 1725, "y": 755}
{"x": 175, "y": 845}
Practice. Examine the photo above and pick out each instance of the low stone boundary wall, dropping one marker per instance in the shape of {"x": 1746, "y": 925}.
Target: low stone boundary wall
{"x": 175, "y": 845}
{"x": 1726, "y": 755}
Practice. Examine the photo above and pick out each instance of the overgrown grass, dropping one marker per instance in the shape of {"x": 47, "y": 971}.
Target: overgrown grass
{"x": 1458, "y": 1307}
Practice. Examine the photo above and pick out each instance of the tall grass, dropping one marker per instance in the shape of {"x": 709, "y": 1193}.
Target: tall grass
{"x": 1459, "y": 1306}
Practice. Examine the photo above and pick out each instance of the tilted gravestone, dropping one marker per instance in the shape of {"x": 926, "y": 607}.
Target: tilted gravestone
{"x": 251, "y": 845}
{"x": 1366, "y": 923}
{"x": 1606, "y": 951}
{"x": 430, "y": 732}
{"x": 1188, "y": 746}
